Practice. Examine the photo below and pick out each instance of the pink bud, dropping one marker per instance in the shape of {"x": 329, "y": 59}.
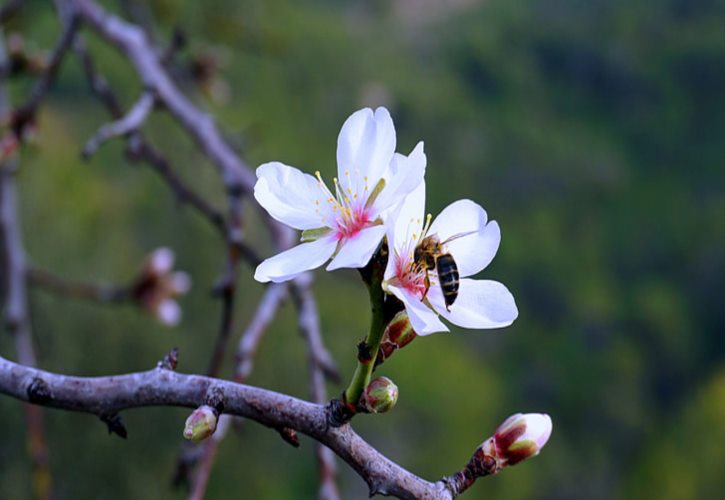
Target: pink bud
{"x": 522, "y": 436}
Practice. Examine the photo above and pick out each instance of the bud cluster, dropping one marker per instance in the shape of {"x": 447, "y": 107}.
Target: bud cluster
{"x": 158, "y": 285}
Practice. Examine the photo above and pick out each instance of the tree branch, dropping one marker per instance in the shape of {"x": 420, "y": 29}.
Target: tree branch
{"x": 272, "y": 299}
{"x": 17, "y": 320}
{"x": 131, "y": 122}
{"x": 25, "y": 114}
{"x": 133, "y": 42}
{"x": 162, "y": 387}
{"x": 83, "y": 290}
{"x": 320, "y": 363}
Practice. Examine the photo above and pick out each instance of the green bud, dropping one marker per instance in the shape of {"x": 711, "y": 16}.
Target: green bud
{"x": 380, "y": 396}
{"x": 398, "y": 334}
{"x": 201, "y": 423}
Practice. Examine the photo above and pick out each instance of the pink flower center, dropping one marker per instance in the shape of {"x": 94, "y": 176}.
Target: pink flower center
{"x": 350, "y": 222}
{"x": 409, "y": 275}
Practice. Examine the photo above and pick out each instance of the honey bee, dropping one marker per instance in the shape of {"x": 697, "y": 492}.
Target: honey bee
{"x": 430, "y": 255}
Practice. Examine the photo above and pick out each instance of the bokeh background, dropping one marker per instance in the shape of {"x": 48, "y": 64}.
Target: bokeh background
{"x": 593, "y": 132}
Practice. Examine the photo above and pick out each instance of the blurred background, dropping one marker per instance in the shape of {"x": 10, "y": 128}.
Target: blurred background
{"x": 593, "y": 132}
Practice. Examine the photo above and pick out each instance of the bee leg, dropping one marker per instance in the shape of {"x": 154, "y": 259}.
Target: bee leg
{"x": 427, "y": 287}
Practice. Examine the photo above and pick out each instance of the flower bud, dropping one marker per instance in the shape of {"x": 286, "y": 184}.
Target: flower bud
{"x": 201, "y": 423}
{"x": 521, "y": 436}
{"x": 380, "y": 396}
{"x": 398, "y": 334}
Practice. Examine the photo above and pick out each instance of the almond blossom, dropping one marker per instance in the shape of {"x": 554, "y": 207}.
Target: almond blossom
{"x": 467, "y": 235}
{"x": 344, "y": 222}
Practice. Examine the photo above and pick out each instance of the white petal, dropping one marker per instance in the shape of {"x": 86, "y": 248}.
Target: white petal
{"x": 402, "y": 178}
{"x": 169, "y": 312}
{"x": 356, "y": 251}
{"x": 288, "y": 264}
{"x": 403, "y": 226}
{"x": 161, "y": 260}
{"x": 423, "y": 320}
{"x": 366, "y": 143}
{"x": 538, "y": 428}
{"x": 180, "y": 282}
{"x": 480, "y": 304}
{"x": 290, "y": 196}
{"x": 472, "y": 252}
{"x": 408, "y": 219}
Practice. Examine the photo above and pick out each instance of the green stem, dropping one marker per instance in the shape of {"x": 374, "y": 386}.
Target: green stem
{"x": 368, "y": 351}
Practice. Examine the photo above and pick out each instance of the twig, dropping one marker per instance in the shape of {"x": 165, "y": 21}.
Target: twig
{"x": 161, "y": 387}
{"x": 25, "y": 114}
{"x": 83, "y": 290}
{"x": 319, "y": 361}
{"x": 310, "y": 327}
{"x": 139, "y": 149}
{"x": 131, "y": 122}
{"x": 132, "y": 40}
{"x": 17, "y": 320}
{"x": 9, "y": 9}
{"x": 249, "y": 342}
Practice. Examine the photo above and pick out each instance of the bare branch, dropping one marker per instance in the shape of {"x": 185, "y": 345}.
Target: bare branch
{"x": 310, "y": 327}
{"x": 131, "y": 122}
{"x": 319, "y": 361}
{"x": 83, "y": 290}
{"x": 161, "y": 387}
{"x": 132, "y": 40}
{"x": 9, "y": 9}
{"x": 25, "y": 114}
{"x": 249, "y": 342}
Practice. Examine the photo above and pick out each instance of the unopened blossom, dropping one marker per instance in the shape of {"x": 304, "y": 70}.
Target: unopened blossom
{"x": 201, "y": 423}
{"x": 342, "y": 221}
{"x": 467, "y": 235}
{"x": 521, "y": 436}
{"x": 158, "y": 285}
{"x": 380, "y": 395}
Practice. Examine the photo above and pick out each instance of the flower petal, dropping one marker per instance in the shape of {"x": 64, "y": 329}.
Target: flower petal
{"x": 480, "y": 304}
{"x": 403, "y": 225}
{"x": 423, "y": 320}
{"x": 288, "y": 264}
{"x": 168, "y": 312}
{"x": 356, "y": 251}
{"x": 290, "y": 196}
{"x": 366, "y": 144}
{"x": 472, "y": 252}
{"x": 402, "y": 178}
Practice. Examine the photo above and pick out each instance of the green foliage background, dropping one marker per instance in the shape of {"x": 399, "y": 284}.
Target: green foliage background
{"x": 591, "y": 131}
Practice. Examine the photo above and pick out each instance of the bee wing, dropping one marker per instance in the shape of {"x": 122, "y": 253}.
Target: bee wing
{"x": 458, "y": 235}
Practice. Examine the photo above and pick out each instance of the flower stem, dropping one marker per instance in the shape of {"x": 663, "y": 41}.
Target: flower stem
{"x": 368, "y": 350}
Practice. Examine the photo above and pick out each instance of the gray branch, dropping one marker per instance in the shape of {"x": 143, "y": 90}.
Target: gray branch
{"x": 131, "y": 122}
{"x": 105, "y": 396}
{"x": 134, "y": 43}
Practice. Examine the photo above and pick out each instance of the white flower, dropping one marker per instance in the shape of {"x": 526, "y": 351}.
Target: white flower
{"x": 344, "y": 223}
{"x": 465, "y": 234}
